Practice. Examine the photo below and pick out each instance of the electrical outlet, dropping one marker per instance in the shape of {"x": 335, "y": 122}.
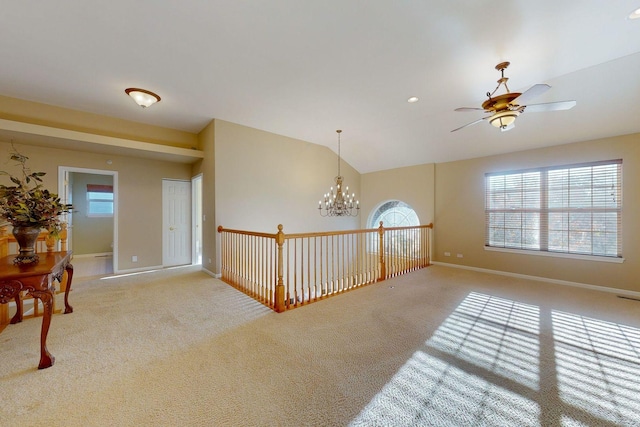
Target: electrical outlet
{"x": 447, "y": 254}
{"x": 134, "y": 258}
{"x": 209, "y": 260}
{"x": 459, "y": 255}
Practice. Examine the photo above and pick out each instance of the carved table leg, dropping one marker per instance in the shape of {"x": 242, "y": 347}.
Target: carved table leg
{"x": 46, "y": 359}
{"x": 17, "y": 318}
{"x": 67, "y": 307}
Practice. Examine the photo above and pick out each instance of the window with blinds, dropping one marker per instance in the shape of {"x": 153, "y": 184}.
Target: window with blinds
{"x": 575, "y": 209}
{"x": 99, "y": 200}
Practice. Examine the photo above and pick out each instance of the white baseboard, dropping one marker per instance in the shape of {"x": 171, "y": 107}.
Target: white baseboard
{"x": 211, "y": 273}
{"x": 623, "y": 292}
{"x": 138, "y": 270}
{"x": 96, "y": 255}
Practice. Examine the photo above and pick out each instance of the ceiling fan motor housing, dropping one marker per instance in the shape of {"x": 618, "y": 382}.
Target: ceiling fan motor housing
{"x": 499, "y": 103}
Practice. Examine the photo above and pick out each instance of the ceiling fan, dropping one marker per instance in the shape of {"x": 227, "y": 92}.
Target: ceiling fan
{"x": 504, "y": 109}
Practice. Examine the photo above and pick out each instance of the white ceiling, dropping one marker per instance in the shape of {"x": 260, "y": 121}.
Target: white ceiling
{"x": 304, "y": 68}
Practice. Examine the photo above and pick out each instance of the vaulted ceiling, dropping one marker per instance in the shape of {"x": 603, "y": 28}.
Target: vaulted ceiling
{"x": 303, "y": 68}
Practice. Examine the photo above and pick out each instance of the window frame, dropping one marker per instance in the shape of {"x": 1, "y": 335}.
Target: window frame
{"x": 497, "y": 202}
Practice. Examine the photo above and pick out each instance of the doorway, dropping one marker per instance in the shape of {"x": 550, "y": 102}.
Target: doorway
{"x": 92, "y": 223}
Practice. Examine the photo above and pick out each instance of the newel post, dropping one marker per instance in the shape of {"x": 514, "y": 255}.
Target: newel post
{"x": 383, "y": 268}
{"x": 279, "y": 294}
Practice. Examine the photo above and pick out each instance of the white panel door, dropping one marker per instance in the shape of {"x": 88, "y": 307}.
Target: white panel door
{"x": 176, "y": 222}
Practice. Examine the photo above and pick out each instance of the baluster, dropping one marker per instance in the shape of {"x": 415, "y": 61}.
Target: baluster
{"x": 4, "y": 244}
{"x": 315, "y": 268}
{"x": 287, "y": 268}
{"x": 309, "y": 268}
{"x": 295, "y": 270}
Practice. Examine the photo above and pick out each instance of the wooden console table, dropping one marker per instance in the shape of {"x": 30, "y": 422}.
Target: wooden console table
{"x": 37, "y": 280}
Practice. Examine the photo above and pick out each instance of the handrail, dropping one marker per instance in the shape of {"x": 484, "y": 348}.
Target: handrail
{"x": 284, "y": 271}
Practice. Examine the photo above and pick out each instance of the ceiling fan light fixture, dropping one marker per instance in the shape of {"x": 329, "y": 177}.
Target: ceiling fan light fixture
{"x": 142, "y": 97}
{"x": 503, "y": 119}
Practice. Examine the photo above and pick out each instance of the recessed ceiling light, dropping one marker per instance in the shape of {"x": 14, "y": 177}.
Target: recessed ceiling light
{"x": 142, "y": 97}
{"x": 635, "y": 14}
{"x": 413, "y": 99}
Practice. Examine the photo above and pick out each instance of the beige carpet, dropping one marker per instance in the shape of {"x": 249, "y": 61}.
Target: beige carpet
{"x": 440, "y": 346}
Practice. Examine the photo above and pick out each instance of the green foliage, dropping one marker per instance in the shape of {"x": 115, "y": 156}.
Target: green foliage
{"x": 27, "y": 203}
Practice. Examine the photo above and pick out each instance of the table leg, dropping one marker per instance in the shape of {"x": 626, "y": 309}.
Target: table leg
{"x": 46, "y": 359}
{"x": 67, "y": 307}
{"x": 17, "y": 318}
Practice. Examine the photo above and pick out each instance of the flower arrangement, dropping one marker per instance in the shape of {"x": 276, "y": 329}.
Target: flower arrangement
{"x": 27, "y": 203}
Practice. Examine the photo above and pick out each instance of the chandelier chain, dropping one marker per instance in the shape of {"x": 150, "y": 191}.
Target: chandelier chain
{"x": 339, "y": 132}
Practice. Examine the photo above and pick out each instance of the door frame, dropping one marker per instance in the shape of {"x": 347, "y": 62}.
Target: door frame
{"x": 196, "y": 218}
{"x": 63, "y": 193}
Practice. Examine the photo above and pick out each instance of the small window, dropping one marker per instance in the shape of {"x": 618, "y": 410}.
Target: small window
{"x": 99, "y": 200}
{"x": 575, "y": 209}
{"x": 394, "y": 213}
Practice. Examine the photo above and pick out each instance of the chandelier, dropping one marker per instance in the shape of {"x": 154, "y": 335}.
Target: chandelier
{"x": 339, "y": 202}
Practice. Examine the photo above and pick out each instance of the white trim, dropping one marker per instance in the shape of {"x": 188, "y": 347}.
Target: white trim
{"x": 614, "y": 260}
{"x": 95, "y": 255}
{"x": 543, "y": 279}
{"x": 196, "y": 220}
{"x": 63, "y": 171}
{"x": 137, "y": 270}
{"x": 211, "y": 273}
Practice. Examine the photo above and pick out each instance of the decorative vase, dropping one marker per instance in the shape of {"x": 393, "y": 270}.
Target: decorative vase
{"x": 26, "y": 236}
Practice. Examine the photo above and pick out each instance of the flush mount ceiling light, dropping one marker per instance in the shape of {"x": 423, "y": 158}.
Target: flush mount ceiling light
{"x": 142, "y": 97}
{"x": 635, "y": 14}
{"x": 413, "y": 99}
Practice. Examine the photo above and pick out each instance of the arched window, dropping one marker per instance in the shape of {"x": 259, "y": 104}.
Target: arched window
{"x": 393, "y": 213}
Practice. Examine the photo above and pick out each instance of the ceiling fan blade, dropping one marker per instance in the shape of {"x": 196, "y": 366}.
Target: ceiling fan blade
{"x": 469, "y": 109}
{"x": 550, "y": 106}
{"x": 472, "y": 123}
{"x": 529, "y": 94}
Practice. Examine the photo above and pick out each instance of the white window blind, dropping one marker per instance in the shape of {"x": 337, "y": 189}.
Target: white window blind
{"x": 574, "y": 209}
{"x": 99, "y": 200}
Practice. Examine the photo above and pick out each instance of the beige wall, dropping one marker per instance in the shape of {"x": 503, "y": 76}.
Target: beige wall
{"x": 207, "y": 167}
{"x": 139, "y": 194}
{"x": 263, "y": 179}
{"x": 413, "y": 185}
{"x": 459, "y": 214}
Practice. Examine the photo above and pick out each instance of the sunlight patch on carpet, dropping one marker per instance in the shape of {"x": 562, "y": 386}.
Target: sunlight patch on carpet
{"x": 483, "y": 366}
{"x": 598, "y": 367}
{"x": 493, "y": 334}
